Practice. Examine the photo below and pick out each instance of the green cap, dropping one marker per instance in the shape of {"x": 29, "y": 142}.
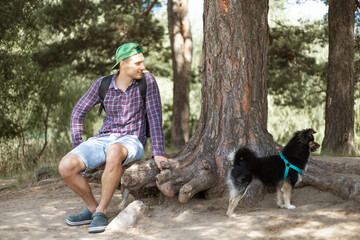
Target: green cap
{"x": 125, "y": 51}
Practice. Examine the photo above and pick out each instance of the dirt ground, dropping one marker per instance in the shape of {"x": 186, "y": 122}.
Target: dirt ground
{"x": 40, "y": 212}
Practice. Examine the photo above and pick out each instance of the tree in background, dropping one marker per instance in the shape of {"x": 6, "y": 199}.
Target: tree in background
{"x": 234, "y": 98}
{"x": 181, "y": 45}
{"x": 357, "y": 42}
{"x": 339, "y": 112}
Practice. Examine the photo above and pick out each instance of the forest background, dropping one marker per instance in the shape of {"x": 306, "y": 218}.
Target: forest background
{"x": 52, "y": 51}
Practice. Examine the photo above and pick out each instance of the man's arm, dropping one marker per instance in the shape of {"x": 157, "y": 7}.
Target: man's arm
{"x": 154, "y": 111}
{"x": 82, "y": 107}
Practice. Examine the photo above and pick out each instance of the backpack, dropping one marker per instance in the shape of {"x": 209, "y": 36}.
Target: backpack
{"x": 104, "y": 86}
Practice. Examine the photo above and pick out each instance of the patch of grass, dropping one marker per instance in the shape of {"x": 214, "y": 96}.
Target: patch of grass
{"x": 17, "y": 163}
{"x": 333, "y": 154}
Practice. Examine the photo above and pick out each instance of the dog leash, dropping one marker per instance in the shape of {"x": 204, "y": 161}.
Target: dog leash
{"x": 288, "y": 166}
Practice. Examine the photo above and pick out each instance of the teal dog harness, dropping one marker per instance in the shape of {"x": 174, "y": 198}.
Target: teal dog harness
{"x": 288, "y": 166}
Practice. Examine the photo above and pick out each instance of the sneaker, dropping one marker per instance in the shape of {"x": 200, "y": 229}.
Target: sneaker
{"x": 98, "y": 223}
{"x": 79, "y": 219}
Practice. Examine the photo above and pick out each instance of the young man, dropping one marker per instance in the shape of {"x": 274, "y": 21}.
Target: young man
{"x": 121, "y": 139}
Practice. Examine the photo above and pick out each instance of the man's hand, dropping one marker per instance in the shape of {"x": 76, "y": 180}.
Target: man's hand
{"x": 158, "y": 160}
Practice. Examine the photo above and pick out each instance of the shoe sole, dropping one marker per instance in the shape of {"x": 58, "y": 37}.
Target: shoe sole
{"x": 97, "y": 229}
{"x": 70, "y": 223}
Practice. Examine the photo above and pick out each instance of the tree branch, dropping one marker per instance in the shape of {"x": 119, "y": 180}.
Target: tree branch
{"x": 147, "y": 12}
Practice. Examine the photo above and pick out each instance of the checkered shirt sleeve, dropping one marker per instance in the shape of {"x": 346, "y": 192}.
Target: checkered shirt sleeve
{"x": 82, "y": 107}
{"x": 154, "y": 112}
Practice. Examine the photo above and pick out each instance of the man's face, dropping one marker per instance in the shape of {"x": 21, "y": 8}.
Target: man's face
{"x": 134, "y": 66}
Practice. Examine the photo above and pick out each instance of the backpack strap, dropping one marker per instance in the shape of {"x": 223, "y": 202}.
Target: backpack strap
{"x": 142, "y": 89}
{"x": 104, "y": 86}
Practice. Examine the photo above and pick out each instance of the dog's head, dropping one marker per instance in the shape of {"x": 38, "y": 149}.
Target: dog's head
{"x": 306, "y": 136}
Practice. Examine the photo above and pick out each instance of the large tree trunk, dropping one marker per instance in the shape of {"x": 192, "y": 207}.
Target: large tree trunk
{"x": 234, "y": 99}
{"x": 339, "y": 114}
{"x": 181, "y": 45}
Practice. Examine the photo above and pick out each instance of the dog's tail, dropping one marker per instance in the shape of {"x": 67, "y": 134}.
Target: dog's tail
{"x": 244, "y": 154}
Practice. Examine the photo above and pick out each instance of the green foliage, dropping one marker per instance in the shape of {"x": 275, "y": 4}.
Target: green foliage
{"x": 16, "y": 14}
{"x": 20, "y": 86}
{"x": 86, "y": 34}
{"x": 295, "y": 76}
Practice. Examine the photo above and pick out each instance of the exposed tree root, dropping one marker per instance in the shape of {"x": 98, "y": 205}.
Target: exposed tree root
{"x": 187, "y": 181}
{"x": 327, "y": 177}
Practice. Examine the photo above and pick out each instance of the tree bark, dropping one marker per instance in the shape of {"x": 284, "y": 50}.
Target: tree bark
{"x": 234, "y": 99}
{"x": 339, "y": 112}
{"x": 181, "y": 45}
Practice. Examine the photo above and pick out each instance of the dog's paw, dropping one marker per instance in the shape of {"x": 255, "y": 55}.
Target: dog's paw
{"x": 231, "y": 214}
{"x": 291, "y": 207}
{"x": 281, "y": 205}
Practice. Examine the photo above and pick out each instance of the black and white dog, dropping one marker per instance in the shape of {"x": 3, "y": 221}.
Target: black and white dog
{"x": 280, "y": 171}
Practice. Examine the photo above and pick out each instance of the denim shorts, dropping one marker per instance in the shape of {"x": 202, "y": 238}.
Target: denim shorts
{"x": 93, "y": 151}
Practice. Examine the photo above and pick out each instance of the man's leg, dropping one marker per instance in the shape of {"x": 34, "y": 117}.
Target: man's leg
{"x": 116, "y": 155}
{"x": 70, "y": 167}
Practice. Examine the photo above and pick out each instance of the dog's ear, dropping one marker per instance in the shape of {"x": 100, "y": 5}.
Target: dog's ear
{"x": 305, "y": 135}
{"x": 305, "y": 132}
{"x": 312, "y": 131}
{"x": 309, "y": 131}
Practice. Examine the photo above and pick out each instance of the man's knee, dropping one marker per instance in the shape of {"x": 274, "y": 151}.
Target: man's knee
{"x": 71, "y": 164}
{"x": 116, "y": 154}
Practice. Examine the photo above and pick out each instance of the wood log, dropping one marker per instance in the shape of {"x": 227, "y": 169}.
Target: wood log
{"x": 345, "y": 165}
{"x": 135, "y": 176}
{"x": 94, "y": 176}
{"x": 139, "y": 175}
{"x": 44, "y": 173}
{"x": 340, "y": 176}
{"x": 47, "y": 181}
{"x": 128, "y": 217}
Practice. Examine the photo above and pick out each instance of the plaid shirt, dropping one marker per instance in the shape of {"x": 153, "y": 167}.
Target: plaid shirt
{"x": 125, "y": 113}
